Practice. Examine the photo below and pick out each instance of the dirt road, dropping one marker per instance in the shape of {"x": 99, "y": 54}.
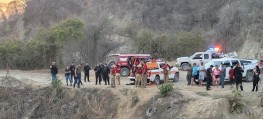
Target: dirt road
{"x": 42, "y": 78}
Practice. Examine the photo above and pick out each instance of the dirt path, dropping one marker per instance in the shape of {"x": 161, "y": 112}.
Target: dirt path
{"x": 42, "y": 78}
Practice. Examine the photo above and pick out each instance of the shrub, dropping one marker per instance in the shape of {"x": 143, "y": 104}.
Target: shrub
{"x": 165, "y": 89}
{"x": 236, "y": 103}
{"x": 56, "y": 84}
{"x": 202, "y": 93}
{"x": 261, "y": 98}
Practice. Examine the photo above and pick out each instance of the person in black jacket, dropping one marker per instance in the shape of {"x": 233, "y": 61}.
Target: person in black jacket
{"x": 209, "y": 74}
{"x": 238, "y": 76}
{"x": 98, "y": 73}
{"x": 72, "y": 70}
{"x": 256, "y": 78}
{"x": 67, "y": 76}
{"x": 105, "y": 74}
{"x": 54, "y": 71}
{"x": 86, "y": 72}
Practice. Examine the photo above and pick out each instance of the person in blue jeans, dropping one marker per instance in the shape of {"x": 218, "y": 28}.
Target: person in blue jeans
{"x": 78, "y": 75}
{"x": 222, "y": 75}
{"x": 54, "y": 71}
{"x": 67, "y": 76}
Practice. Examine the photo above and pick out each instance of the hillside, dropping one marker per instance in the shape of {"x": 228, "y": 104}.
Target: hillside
{"x": 234, "y": 24}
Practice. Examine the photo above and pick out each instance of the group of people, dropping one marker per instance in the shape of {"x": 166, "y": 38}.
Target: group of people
{"x": 217, "y": 75}
{"x": 74, "y": 73}
{"x": 103, "y": 72}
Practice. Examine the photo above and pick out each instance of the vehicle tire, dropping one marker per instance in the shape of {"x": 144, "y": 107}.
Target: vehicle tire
{"x": 125, "y": 71}
{"x": 157, "y": 80}
{"x": 185, "y": 66}
{"x": 176, "y": 77}
{"x": 111, "y": 63}
{"x": 249, "y": 76}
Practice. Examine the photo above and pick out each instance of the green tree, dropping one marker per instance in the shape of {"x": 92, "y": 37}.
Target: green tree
{"x": 55, "y": 38}
{"x": 142, "y": 41}
{"x": 187, "y": 43}
{"x": 10, "y": 52}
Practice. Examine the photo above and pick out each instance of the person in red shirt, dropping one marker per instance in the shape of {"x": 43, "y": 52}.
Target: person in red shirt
{"x": 118, "y": 73}
{"x": 166, "y": 69}
{"x": 113, "y": 74}
{"x": 231, "y": 77}
{"x": 144, "y": 74}
{"x": 138, "y": 77}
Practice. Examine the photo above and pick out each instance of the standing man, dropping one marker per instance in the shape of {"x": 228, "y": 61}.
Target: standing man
{"x": 105, "y": 74}
{"x": 86, "y": 72}
{"x": 209, "y": 73}
{"x": 98, "y": 74}
{"x": 189, "y": 74}
{"x": 138, "y": 77}
{"x": 113, "y": 73}
{"x": 201, "y": 70}
{"x": 222, "y": 75}
{"x": 118, "y": 74}
{"x": 67, "y": 76}
{"x": 166, "y": 68}
{"x": 195, "y": 73}
{"x": 231, "y": 77}
{"x": 78, "y": 75}
{"x": 54, "y": 71}
{"x": 144, "y": 74}
{"x": 101, "y": 73}
{"x": 72, "y": 70}
{"x": 238, "y": 76}
{"x": 256, "y": 78}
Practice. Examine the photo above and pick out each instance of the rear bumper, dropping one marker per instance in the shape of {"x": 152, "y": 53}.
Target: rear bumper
{"x": 133, "y": 78}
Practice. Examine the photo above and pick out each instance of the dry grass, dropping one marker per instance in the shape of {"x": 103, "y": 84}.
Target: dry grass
{"x": 59, "y": 103}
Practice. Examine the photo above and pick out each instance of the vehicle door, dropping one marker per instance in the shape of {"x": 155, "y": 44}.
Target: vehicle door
{"x": 206, "y": 58}
{"x": 196, "y": 58}
{"x": 227, "y": 64}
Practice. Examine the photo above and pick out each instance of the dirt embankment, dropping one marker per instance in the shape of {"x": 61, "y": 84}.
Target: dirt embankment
{"x": 21, "y": 98}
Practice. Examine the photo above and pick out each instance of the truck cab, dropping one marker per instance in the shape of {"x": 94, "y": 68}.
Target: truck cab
{"x": 197, "y": 58}
{"x": 204, "y": 57}
{"x": 123, "y": 61}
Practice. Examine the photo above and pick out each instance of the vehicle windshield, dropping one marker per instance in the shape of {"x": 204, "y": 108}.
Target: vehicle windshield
{"x": 214, "y": 63}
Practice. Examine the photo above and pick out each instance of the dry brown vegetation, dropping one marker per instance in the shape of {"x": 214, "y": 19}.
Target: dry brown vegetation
{"x": 20, "y": 100}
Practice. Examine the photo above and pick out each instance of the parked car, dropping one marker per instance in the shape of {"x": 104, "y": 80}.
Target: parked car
{"x": 123, "y": 60}
{"x": 155, "y": 74}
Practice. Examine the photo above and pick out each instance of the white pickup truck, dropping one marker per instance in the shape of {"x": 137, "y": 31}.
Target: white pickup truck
{"x": 156, "y": 75}
{"x": 199, "y": 57}
{"x": 248, "y": 66}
